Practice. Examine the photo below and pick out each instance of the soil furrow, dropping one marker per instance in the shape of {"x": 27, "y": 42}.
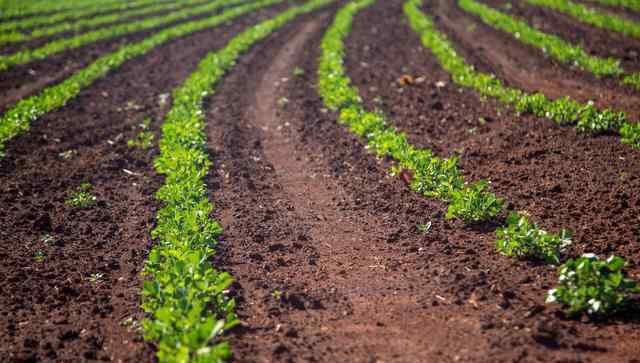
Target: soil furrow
{"x": 318, "y": 278}
{"x": 562, "y": 179}
{"x": 526, "y": 67}
{"x": 52, "y": 311}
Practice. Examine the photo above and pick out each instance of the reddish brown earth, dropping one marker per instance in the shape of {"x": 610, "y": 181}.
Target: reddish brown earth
{"x": 323, "y": 243}
{"x": 51, "y": 311}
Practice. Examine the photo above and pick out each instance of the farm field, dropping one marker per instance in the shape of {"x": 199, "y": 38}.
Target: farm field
{"x": 320, "y": 181}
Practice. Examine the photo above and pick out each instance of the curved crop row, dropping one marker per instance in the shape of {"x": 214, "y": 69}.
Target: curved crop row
{"x": 75, "y": 26}
{"x": 586, "y": 118}
{"x": 432, "y": 176}
{"x": 57, "y": 46}
{"x": 185, "y": 296}
{"x": 629, "y": 4}
{"x": 17, "y": 119}
{"x": 592, "y": 16}
{"x": 69, "y": 8}
{"x": 550, "y": 44}
{"x": 593, "y": 290}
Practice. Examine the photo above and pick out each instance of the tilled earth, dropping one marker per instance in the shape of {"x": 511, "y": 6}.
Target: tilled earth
{"x": 323, "y": 243}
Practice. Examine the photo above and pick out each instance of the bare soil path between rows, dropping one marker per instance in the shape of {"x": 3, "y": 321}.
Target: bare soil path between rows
{"x": 317, "y": 277}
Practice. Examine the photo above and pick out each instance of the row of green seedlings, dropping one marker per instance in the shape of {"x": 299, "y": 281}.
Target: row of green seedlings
{"x": 593, "y": 17}
{"x": 586, "y": 118}
{"x": 439, "y": 178}
{"x": 550, "y": 44}
{"x": 60, "y": 45}
{"x": 12, "y": 8}
{"x": 75, "y": 26}
{"x": 73, "y": 14}
{"x": 586, "y": 284}
{"x": 18, "y": 118}
{"x": 629, "y": 4}
{"x": 185, "y": 295}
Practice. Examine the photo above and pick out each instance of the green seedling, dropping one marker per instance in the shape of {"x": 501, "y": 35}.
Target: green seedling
{"x": 298, "y": 72}
{"x": 144, "y": 140}
{"x": 96, "y": 277}
{"x": 81, "y": 198}
{"x": 424, "y": 228}
{"x": 39, "y": 256}
{"x": 523, "y": 239}
{"x": 593, "y": 286}
{"x": 277, "y": 294}
{"x": 474, "y": 204}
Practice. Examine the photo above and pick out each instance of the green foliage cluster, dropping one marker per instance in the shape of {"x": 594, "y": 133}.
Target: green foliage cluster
{"x": 592, "y": 16}
{"x": 82, "y": 198}
{"x": 18, "y": 118}
{"x": 586, "y": 117}
{"x": 185, "y": 296}
{"x": 432, "y": 176}
{"x": 473, "y": 203}
{"x": 549, "y": 44}
{"x": 523, "y": 239}
{"x": 564, "y": 111}
{"x": 96, "y": 21}
{"x": 630, "y": 134}
{"x": 144, "y": 139}
{"x": 593, "y": 286}
{"x": 63, "y": 44}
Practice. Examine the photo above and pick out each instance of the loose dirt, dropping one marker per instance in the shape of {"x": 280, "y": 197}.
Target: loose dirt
{"x": 324, "y": 244}
{"x": 52, "y": 311}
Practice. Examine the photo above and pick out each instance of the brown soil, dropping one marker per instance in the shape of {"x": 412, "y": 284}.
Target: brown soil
{"x": 524, "y": 66}
{"x": 296, "y": 225}
{"x": 560, "y": 178}
{"x": 323, "y": 243}
{"x": 51, "y": 311}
